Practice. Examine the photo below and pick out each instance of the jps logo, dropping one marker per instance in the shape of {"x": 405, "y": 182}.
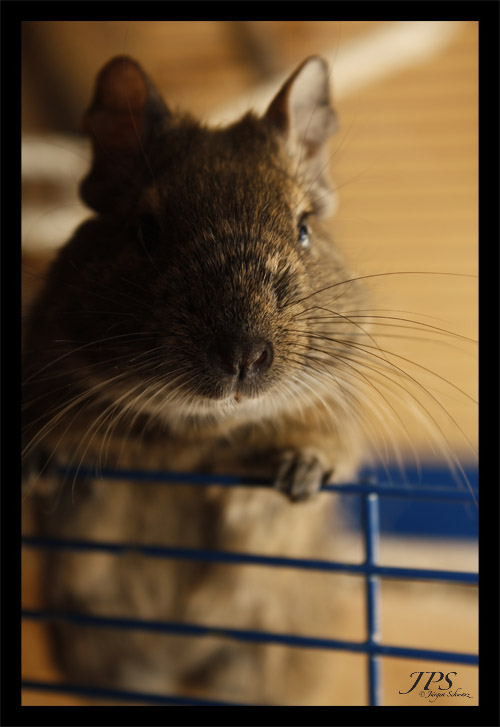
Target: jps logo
{"x": 437, "y": 679}
{"x": 433, "y": 674}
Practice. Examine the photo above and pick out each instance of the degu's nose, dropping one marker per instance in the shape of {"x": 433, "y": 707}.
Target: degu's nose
{"x": 244, "y": 358}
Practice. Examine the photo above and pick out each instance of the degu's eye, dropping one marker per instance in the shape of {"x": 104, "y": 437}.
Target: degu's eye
{"x": 304, "y": 238}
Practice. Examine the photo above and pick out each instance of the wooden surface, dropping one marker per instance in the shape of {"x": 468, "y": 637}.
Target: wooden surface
{"x": 405, "y": 165}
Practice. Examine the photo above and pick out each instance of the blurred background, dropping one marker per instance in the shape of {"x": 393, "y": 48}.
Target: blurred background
{"x": 404, "y": 163}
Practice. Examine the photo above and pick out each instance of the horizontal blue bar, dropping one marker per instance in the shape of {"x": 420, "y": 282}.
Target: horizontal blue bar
{"x": 411, "y": 490}
{"x": 105, "y": 693}
{"x": 227, "y": 557}
{"x": 248, "y": 635}
{"x": 164, "y": 476}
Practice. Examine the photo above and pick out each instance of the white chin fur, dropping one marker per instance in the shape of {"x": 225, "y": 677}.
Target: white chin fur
{"x": 220, "y": 410}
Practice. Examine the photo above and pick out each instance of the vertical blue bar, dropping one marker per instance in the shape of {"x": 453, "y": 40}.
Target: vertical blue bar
{"x": 372, "y": 534}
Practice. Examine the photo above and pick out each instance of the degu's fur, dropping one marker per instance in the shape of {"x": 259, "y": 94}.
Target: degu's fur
{"x": 198, "y": 322}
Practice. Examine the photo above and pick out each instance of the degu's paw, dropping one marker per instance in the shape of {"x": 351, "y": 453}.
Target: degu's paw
{"x": 302, "y": 473}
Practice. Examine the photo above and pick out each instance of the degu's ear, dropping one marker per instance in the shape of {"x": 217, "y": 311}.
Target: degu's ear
{"x": 302, "y": 114}
{"x": 125, "y": 110}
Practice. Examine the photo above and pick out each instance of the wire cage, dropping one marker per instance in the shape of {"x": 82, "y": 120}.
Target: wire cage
{"x": 371, "y": 498}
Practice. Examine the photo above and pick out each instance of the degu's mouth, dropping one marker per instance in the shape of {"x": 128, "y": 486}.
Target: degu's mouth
{"x": 232, "y": 399}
